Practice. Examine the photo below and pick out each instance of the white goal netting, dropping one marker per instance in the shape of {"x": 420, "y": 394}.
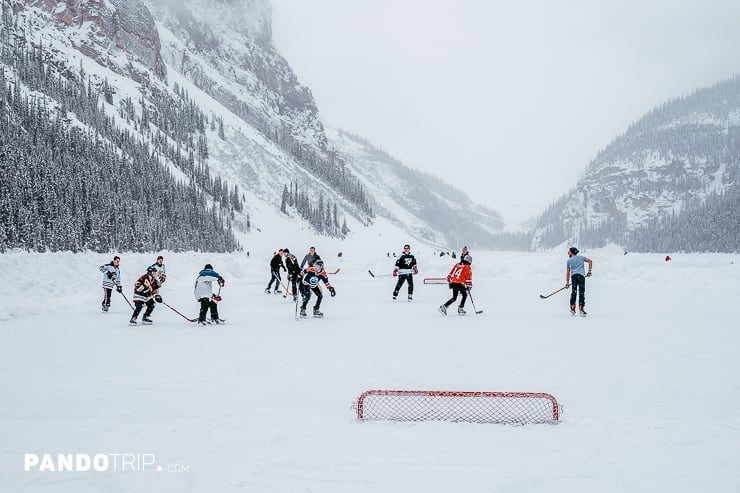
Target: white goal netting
{"x": 474, "y": 407}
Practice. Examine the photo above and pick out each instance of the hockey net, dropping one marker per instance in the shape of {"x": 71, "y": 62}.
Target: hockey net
{"x": 474, "y": 407}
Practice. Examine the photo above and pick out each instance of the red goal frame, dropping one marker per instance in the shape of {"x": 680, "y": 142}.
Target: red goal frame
{"x": 519, "y": 398}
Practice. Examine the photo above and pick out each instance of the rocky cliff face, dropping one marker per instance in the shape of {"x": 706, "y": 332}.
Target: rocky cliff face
{"x": 108, "y": 31}
{"x": 683, "y": 150}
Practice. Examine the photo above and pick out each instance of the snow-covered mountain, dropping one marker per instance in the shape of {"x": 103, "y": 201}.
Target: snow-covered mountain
{"x": 257, "y": 128}
{"x": 673, "y": 158}
{"x": 421, "y": 203}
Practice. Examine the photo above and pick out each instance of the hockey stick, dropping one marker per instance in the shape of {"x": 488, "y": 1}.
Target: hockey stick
{"x": 332, "y": 273}
{"x": 435, "y": 280}
{"x": 377, "y": 275}
{"x": 477, "y": 312}
{"x": 183, "y": 316}
{"x": 127, "y": 301}
{"x": 554, "y": 292}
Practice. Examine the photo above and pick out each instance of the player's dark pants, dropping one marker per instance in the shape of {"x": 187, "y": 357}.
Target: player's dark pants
{"x": 140, "y": 304}
{"x": 106, "y": 296}
{"x": 293, "y": 280}
{"x": 401, "y": 279}
{"x": 274, "y": 276}
{"x": 306, "y": 292}
{"x": 578, "y": 284}
{"x": 205, "y": 304}
{"x": 457, "y": 288}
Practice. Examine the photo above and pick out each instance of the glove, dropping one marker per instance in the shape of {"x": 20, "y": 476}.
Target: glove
{"x": 158, "y": 298}
{"x": 119, "y": 289}
{"x": 567, "y": 285}
{"x": 221, "y": 281}
{"x": 333, "y": 291}
{"x": 395, "y": 273}
{"x": 162, "y": 278}
{"x": 110, "y": 275}
{"x": 449, "y": 279}
{"x": 588, "y": 274}
{"x": 216, "y": 297}
{"x": 416, "y": 270}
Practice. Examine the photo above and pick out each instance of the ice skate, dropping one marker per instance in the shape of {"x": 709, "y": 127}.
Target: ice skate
{"x": 146, "y": 321}
{"x": 443, "y": 309}
{"x": 461, "y": 310}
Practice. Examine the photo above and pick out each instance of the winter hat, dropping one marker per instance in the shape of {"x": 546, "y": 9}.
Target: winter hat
{"x": 573, "y": 250}
{"x": 208, "y": 267}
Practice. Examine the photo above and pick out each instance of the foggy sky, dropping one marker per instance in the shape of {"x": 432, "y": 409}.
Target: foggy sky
{"x": 509, "y": 101}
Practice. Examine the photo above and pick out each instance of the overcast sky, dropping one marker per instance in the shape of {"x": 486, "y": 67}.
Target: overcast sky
{"x": 507, "y": 100}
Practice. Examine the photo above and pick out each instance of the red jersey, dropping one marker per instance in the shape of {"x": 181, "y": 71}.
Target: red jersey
{"x": 461, "y": 274}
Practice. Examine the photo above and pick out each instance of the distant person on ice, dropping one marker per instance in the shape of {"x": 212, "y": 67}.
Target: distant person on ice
{"x": 460, "y": 279}
{"x": 275, "y": 265}
{"x": 111, "y": 279}
{"x": 310, "y": 283}
{"x": 405, "y": 269}
{"x": 146, "y": 292}
{"x": 575, "y": 274}
{"x": 204, "y": 294}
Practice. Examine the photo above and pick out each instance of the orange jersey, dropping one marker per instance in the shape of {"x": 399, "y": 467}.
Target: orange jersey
{"x": 461, "y": 274}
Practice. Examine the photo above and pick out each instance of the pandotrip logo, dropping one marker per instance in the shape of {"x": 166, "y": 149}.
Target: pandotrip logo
{"x": 100, "y": 462}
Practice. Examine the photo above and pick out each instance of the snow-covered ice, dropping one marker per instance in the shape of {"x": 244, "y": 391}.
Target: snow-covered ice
{"x": 647, "y": 381}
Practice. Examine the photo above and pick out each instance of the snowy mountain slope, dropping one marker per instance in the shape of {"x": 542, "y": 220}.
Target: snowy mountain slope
{"x": 684, "y": 149}
{"x": 420, "y": 203}
{"x": 263, "y": 403}
{"x": 263, "y": 130}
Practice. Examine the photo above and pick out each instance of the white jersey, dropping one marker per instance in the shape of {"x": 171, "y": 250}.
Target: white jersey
{"x": 204, "y": 283}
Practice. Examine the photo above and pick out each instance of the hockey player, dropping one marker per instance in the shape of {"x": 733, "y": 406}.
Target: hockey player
{"x": 160, "y": 273}
{"x": 111, "y": 279}
{"x": 294, "y": 272}
{"x": 575, "y": 274}
{"x": 146, "y": 292}
{"x": 275, "y": 265}
{"x": 311, "y": 277}
{"x": 310, "y": 258}
{"x": 405, "y": 269}
{"x": 460, "y": 279}
{"x": 204, "y": 294}
{"x": 464, "y": 252}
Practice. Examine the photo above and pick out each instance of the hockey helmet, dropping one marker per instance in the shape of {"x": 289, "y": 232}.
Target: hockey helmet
{"x": 151, "y": 269}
